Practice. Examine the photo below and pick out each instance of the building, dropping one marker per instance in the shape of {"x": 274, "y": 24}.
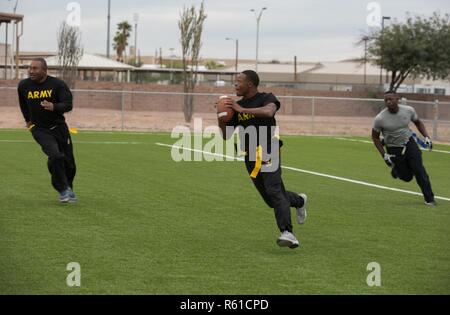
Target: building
{"x": 96, "y": 68}
{"x": 9, "y": 55}
{"x": 348, "y": 75}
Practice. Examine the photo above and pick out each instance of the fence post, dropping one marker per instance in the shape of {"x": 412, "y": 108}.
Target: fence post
{"x": 313, "y": 105}
{"x": 122, "y": 105}
{"x": 435, "y": 119}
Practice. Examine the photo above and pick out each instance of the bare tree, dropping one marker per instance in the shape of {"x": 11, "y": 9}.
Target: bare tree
{"x": 191, "y": 27}
{"x": 69, "y": 52}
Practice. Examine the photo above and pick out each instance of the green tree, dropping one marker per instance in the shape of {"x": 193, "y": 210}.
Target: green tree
{"x": 121, "y": 39}
{"x": 418, "y": 47}
{"x": 211, "y": 65}
{"x": 191, "y": 27}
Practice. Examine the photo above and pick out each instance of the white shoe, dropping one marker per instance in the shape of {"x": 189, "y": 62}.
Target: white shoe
{"x": 301, "y": 211}
{"x": 287, "y": 239}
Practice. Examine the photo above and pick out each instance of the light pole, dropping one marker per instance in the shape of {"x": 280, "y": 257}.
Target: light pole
{"x": 171, "y": 57}
{"x": 14, "y": 41}
{"x": 365, "y": 39}
{"x": 108, "y": 28}
{"x": 258, "y": 18}
{"x": 236, "y": 41}
{"x": 171, "y": 64}
{"x": 136, "y": 19}
{"x": 381, "y": 46}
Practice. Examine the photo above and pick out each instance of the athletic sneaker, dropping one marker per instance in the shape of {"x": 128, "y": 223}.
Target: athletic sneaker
{"x": 301, "y": 211}
{"x": 394, "y": 173}
{"x": 287, "y": 239}
{"x": 430, "y": 203}
{"x": 64, "y": 196}
{"x": 73, "y": 198}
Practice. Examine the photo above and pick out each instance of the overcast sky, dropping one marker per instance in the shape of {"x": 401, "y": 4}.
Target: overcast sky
{"x": 314, "y": 30}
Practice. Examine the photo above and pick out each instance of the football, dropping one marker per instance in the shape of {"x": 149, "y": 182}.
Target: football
{"x": 225, "y": 114}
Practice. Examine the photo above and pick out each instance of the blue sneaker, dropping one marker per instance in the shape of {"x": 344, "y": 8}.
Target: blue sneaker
{"x": 64, "y": 196}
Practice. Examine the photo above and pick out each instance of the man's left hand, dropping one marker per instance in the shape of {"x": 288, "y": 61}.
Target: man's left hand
{"x": 428, "y": 143}
{"x": 47, "y": 105}
{"x": 234, "y": 105}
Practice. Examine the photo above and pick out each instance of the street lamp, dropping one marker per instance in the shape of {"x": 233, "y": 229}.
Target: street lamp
{"x": 171, "y": 63}
{"x": 258, "y": 18}
{"x": 365, "y": 39}
{"x": 236, "y": 41}
{"x": 135, "y": 19}
{"x": 381, "y": 46}
{"x": 14, "y": 41}
{"x": 171, "y": 57}
{"x": 108, "y": 29}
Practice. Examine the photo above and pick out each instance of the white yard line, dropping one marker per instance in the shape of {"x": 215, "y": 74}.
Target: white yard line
{"x": 309, "y": 172}
{"x": 108, "y": 142}
{"x": 79, "y": 142}
{"x": 16, "y": 141}
{"x": 353, "y": 140}
{"x": 241, "y": 159}
{"x": 365, "y": 141}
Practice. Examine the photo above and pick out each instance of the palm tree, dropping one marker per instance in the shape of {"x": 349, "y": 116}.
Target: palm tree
{"x": 121, "y": 39}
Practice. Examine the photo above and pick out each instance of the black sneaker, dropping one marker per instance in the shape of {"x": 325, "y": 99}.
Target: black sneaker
{"x": 394, "y": 173}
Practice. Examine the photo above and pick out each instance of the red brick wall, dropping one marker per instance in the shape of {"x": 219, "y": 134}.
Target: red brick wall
{"x": 173, "y": 102}
{"x": 104, "y": 85}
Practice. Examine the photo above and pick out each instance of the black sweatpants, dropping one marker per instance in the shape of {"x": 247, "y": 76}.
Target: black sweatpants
{"x": 409, "y": 165}
{"x": 57, "y": 145}
{"x": 271, "y": 188}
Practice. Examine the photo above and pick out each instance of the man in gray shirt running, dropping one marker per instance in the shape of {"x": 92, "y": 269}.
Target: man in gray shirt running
{"x": 403, "y": 155}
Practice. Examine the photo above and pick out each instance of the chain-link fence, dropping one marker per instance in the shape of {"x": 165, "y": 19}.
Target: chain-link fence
{"x": 161, "y": 111}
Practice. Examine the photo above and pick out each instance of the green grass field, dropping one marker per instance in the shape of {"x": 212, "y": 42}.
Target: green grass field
{"x": 145, "y": 224}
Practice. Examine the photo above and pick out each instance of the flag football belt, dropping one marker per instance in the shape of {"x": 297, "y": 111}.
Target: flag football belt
{"x": 258, "y": 163}
{"x": 403, "y": 149}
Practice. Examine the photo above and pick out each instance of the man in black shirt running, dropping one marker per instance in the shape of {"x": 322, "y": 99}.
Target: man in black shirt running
{"x": 43, "y": 101}
{"x": 257, "y": 111}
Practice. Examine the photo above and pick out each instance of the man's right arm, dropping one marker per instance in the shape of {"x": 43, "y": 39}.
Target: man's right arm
{"x": 223, "y": 126}
{"x": 223, "y": 129}
{"x": 386, "y": 157}
{"x": 377, "y": 142}
{"x": 24, "y": 106}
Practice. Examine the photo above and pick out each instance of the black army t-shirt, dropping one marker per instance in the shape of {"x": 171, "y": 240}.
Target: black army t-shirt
{"x": 53, "y": 90}
{"x": 246, "y": 120}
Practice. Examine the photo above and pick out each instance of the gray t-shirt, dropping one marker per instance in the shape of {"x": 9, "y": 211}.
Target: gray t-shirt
{"x": 395, "y": 126}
